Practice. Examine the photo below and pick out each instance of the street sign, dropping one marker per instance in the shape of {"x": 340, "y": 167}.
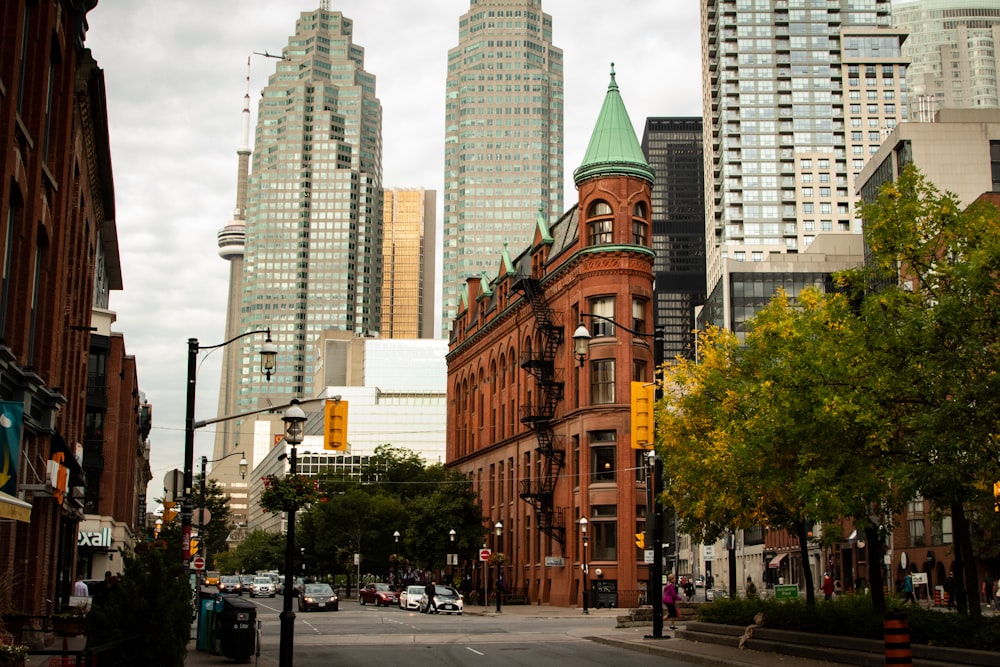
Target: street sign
{"x": 484, "y": 554}
{"x": 786, "y": 592}
{"x": 198, "y": 563}
{"x": 647, "y": 556}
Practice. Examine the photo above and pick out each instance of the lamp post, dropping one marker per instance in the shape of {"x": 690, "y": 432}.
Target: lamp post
{"x": 581, "y": 347}
{"x": 452, "y": 556}
{"x": 584, "y": 567}
{"x": 201, "y": 507}
{"x": 268, "y": 356}
{"x": 294, "y": 418}
{"x": 498, "y": 529}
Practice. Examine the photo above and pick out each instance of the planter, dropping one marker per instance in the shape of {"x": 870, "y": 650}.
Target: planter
{"x": 69, "y": 626}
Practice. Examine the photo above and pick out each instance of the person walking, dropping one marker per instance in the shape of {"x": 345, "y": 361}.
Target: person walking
{"x": 430, "y": 590}
{"x": 827, "y": 587}
{"x": 79, "y": 588}
{"x": 751, "y": 588}
{"x": 908, "y": 589}
{"x": 670, "y": 600}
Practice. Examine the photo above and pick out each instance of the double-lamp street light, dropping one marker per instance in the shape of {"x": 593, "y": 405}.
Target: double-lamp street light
{"x": 268, "y": 357}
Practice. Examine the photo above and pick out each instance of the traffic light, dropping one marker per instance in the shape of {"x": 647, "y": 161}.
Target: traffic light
{"x": 640, "y": 540}
{"x": 194, "y": 545}
{"x": 996, "y": 496}
{"x": 335, "y": 425}
{"x": 643, "y": 397}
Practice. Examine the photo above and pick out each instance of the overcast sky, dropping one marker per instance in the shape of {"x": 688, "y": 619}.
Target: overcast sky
{"x": 176, "y": 74}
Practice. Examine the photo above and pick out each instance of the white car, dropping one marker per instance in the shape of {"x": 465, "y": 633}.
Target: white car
{"x": 262, "y": 586}
{"x": 409, "y": 599}
{"x": 447, "y": 600}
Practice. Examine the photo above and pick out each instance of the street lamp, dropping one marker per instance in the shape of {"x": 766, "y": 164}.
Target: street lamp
{"x": 268, "y": 356}
{"x": 581, "y": 347}
{"x": 452, "y": 556}
{"x": 395, "y": 534}
{"x": 498, "y": 529}
{"x": 201, "y": 509}
{"x": 586, "y": 584}
{"x": 294, "y": 419}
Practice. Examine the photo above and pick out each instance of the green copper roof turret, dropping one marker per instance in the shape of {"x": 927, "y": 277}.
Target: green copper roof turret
{"x": 614, "y": 149}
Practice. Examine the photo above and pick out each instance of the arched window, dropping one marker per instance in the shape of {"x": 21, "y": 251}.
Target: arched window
{"x": 600, "y": 223}
{"x": 640, "y": 224}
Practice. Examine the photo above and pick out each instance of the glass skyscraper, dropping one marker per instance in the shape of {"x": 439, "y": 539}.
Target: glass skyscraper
{"x": 503, "y": 157}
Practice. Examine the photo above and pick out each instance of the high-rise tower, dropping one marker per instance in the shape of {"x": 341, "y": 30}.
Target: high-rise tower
{"x": 953, "y": 45}
{"x": 797, "y": 96}
{"x": 313, "y": 246}
{"x": 503, "y": 152}
{"x": 409, "y": 249}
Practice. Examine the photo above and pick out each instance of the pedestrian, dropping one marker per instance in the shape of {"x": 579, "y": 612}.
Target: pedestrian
{"x": 987, "y": 591}
{"x": 827, "y": 586}
{"x": 908, "y": 589}
{"x": 996, "y": 594}
{"x": 670, "y": 600}
{"x": 430, "y": 590}
{"x": 949, "y": 589}
{"x": 689, "y": 589}
{"x": 838, "y": 588}
{"x": 751, "y": 588}
{"x": 79, "y": 588}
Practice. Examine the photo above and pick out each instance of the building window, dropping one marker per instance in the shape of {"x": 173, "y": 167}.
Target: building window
{"x": 917, "y": 538}
{"x": 941, "y": 531}
{"x": 639, "y": 232}
{"x": 602, "y": 381}
{"x": 604, "y": 540}
{"x": 603, "y": 446}
{"x": 600, "y": 223}
{"x": 603, "y": 307}
{"x": 639, "y": 315}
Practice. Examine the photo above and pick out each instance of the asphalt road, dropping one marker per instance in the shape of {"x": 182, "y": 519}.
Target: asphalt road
{"x": 368, "y": 635}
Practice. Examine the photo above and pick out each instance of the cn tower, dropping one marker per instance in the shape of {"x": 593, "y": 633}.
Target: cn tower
{"x": 232, "y": 238}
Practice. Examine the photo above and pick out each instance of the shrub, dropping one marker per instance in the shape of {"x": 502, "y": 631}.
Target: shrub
{"x": 853, "y": 616}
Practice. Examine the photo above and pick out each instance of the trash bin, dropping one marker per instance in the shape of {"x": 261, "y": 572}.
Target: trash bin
{"x": 235, "y": 627}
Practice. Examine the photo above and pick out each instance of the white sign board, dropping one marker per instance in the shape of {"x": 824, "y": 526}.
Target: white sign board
{"x": 919, "y": 578}
{"x": 647, "y": 556}
{"x": 709, "y": 552}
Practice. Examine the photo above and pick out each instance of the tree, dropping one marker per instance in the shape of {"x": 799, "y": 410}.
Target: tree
{"x": 260, "y": 551}
{"x": 937, "y": 267}
{"x": 213, "y": 536}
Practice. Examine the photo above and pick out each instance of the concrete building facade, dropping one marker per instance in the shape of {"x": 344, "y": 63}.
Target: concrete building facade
{"x": 543, "y": 434}
{"x": 503, "y": 151}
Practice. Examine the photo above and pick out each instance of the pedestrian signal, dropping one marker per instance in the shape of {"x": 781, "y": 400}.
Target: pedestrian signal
{"x": 335, "y": 425}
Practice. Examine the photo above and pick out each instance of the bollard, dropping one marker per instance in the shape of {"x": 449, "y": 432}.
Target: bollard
{"x": 897, "y": 640}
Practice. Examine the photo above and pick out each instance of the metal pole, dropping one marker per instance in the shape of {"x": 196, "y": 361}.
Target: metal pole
{"x": 499, "y": 568}
{"x": 656, "y": 568}
{"x": 287, "y": 616}
{"x": 192, "y": 376}
{"x": 586, "y": 577}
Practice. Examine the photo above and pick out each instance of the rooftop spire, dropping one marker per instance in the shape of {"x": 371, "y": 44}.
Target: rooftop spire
{"x": 614, "y": 148}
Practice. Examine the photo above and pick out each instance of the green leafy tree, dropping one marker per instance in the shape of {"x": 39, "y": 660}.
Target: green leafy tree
{"x": 214, "y": 534}
{"x": 152, "y": 600}
{"x": 261, "y": 551}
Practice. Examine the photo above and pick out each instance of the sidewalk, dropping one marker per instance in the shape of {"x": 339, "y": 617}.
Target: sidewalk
{"x": 600, "y": 626}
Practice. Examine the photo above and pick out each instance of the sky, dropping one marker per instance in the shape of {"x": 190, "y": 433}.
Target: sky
{"x": 176, "y": 72}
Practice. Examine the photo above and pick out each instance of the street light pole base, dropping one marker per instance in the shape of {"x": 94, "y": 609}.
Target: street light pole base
{"x": 655, "y": 637}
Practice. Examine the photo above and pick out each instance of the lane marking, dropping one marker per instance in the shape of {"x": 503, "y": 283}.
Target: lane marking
{"x": 474, "y": 650}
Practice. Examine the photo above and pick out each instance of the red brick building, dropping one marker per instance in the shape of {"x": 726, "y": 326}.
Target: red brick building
{"x": 59, "y": 258}
{"x": 542, "y": 434}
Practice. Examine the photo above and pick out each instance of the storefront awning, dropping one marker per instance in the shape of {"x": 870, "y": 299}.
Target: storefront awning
{"x": 776, "y": 561}
{"x": 14, "y": 508}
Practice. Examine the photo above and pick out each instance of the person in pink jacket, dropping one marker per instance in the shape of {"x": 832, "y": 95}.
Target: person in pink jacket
{"x": 670, "y": 600}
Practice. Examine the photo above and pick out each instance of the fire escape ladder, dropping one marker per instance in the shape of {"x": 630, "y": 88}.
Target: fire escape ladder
{"x": 541, "y": 365}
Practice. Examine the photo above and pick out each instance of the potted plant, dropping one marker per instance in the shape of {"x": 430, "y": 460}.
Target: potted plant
{"x": 72, "y": 622}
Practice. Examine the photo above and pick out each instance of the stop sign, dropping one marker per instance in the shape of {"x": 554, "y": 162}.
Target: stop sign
{"x": 198, "y": 562}
{"x": 484, "y": 554}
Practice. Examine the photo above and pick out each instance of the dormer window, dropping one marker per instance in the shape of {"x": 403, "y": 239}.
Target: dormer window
{"x": 600, "y": 224}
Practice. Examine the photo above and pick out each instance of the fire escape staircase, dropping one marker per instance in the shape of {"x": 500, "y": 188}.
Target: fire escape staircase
{"x": 539, "y": 415}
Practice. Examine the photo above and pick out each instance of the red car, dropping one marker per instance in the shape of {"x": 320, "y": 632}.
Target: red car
{"x": 380, "y": 595}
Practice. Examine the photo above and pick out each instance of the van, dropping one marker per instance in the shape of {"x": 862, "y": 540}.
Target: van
{"x": 212, "y": 578}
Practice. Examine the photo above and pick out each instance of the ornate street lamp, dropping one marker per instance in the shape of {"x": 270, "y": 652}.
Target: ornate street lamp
{"x": 584, "y": 567}
{"x": 268, "y": 357}
{"x": 294, "y": 419}
{"x": 498, "y": 529}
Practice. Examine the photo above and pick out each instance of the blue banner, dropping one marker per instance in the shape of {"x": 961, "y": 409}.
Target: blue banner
{"x": 11, "y": 420}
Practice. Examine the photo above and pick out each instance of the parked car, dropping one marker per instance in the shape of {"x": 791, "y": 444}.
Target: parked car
{"x": 230, "y": 584}
{"x": 446, "y": 600}
{"x": 262, "y": 586}
{"x": 380, "y": 595}
{"x": 409, "y": 599}
{"x": 318, "y": 596}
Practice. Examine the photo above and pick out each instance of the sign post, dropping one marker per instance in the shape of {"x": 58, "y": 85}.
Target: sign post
{"x": 198, "y": 562}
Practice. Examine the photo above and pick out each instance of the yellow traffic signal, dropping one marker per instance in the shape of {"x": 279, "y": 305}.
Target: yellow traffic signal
{"x": 335, "y": 425}
{"x": 168, "y": 511}
{"x": 640, "y": 540}
{"x": 643, "y": 398}
{"x": 194, "y": 545}
{"x": 996, "y": 496}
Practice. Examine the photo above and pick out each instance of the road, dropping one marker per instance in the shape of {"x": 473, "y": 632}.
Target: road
{"x": 369, "y": 635}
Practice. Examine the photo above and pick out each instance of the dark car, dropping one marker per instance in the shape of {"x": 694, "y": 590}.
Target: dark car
{"x": 230, "y": 584}
{"x": 446, "y": 600}
{"x": 380, "y": 595}
{"x": 318, "y": 596}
